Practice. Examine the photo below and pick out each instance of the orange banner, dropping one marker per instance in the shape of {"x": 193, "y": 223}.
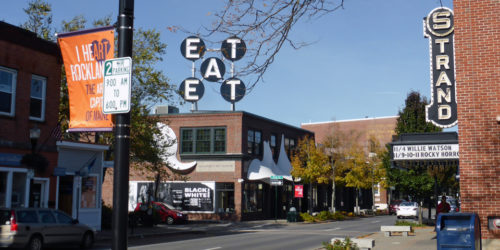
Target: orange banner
{"x": 84, "y": 53}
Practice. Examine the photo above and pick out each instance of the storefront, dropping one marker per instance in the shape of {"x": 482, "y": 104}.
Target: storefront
{"x": 79, "y": 181}
{"x": 233, "y": 154}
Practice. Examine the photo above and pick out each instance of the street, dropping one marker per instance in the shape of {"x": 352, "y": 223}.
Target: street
{"x": 255, "y": 235}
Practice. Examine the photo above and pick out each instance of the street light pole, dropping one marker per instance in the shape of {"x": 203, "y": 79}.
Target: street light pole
{"x": 122, "y": 136}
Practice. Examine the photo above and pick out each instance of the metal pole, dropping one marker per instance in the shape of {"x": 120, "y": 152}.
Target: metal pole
{"x": 276, "y": 203}
{"x": 122, "y": 136}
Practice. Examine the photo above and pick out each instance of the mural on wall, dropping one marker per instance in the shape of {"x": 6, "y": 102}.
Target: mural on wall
{"x": 170, "y": 157}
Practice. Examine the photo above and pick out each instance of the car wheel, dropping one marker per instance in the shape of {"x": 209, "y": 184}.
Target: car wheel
{"x": 170, "y": 220}
{"x": 87, "y": 240}
{"x": 35, "y": 243}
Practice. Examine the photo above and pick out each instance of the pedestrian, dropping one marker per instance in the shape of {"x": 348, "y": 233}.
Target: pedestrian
{"x": 443, "y": 207}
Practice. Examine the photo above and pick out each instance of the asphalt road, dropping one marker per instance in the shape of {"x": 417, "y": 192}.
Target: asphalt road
{"x": 266, "y": 236}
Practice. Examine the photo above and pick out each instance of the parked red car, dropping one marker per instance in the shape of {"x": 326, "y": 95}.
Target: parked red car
{"x": 393, "y": 207}
{"x": 167, "y": 213}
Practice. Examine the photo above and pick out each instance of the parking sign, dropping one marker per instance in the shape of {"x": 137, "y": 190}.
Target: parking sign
{"x": 117, "y": 85}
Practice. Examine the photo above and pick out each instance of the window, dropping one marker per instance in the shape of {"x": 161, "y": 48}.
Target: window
{"x": 272, "y": 143}
{"x": 26, "y": 216}
{"x": 203, "y": 140}
{"x": 289, "y": 146}
{"x": 252, "y": 197}
{"x": 46, "y": 216}
{"x": 7, "y": 91}
{"x": 89, "y": 192}
{"x": 63, "y": 218}
{"x": 254, "y": 142}
{"x": 224, "y": 197}
{"x": 37, "y": 98}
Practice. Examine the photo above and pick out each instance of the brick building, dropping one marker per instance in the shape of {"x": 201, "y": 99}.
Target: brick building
{"x": 477, "y": 55}
{"x": 30, "y": 76}
{"x": 235, "y": 154}
{"x": 381, "y": 128}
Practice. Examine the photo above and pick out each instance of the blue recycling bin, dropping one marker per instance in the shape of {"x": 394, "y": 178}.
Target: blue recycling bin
{"x": 458, "y": 231}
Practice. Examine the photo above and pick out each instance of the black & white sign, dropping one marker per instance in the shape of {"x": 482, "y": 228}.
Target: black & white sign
{"x": 232, "y": 89}
{"x": 425, "y": 152}
{"x": 192, "y": 89}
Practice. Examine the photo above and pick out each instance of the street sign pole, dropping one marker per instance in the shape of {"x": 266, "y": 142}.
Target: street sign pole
{"x": 122, "y": 137}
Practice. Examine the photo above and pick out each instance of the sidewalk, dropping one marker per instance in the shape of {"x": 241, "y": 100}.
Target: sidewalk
{"x": 421, "y": 238}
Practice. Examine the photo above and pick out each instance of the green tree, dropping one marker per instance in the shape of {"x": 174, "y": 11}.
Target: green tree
{"x": 353, "y": 168}
{"x": 39, "y": 19}
{"x": 310, "y": 163}
{"x": 416, "y": 182}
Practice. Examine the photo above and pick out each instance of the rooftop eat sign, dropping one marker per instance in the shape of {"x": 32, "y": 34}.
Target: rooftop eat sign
{"x": 213, "y": 69}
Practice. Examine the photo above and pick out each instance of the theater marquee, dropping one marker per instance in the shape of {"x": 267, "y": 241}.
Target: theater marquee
{"x": 438, "y": 27}
{"x": 425, "y": 152}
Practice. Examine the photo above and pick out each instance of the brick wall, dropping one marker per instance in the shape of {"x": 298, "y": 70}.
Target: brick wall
{"x": 477, "y": 54}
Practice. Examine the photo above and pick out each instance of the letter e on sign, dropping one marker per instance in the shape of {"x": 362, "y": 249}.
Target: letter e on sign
{"x": 191, "y": 89}
{"x": 193, "y": 48}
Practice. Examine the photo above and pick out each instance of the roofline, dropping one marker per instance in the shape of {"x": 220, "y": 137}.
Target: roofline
{"x": 351, "y": 120}
{"x": 245, "y": 113}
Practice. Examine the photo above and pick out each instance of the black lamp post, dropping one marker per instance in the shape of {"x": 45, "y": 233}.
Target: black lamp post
{"x": 34, "y": 136}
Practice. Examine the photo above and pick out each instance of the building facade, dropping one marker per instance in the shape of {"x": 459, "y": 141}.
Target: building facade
{"x": 30, "y": 76}
{"x": 477, "y": 55}
{"x": 226, "y": 160}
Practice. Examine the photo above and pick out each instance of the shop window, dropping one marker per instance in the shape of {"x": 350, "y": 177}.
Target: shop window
{"x": 7, "y": 91}
{"x": 37, "y": 98}
{"x": 225, "y": 197}
{"x": 254, "y": 140}
{"x": 18, "y": 190}
{"x": 252, "y": 197}
{"x": 89, "y": 192}
{"x": 203, "y": 140}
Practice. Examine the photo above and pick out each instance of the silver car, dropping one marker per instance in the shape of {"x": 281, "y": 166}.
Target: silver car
{"x": 34, "y": 228}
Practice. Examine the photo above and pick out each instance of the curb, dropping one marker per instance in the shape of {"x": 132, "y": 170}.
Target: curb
{"x": 146, "y": 235}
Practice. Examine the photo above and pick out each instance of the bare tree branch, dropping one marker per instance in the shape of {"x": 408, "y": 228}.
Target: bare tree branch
{"x": 265, "y": 26}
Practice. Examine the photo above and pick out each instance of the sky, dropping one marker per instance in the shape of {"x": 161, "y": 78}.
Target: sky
{"x": 362, "y": 62}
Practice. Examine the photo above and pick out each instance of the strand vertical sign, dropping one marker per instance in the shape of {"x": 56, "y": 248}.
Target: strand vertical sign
{"x": 438, "y": 27}
{"x": 84, "y": 53}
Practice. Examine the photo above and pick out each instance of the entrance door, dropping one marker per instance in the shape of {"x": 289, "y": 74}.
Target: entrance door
{"x": 66, "y": 194}
{"x": 39, "y": 193}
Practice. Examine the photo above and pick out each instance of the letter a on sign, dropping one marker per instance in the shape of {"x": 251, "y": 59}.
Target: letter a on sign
{"x": 213, "y": 69}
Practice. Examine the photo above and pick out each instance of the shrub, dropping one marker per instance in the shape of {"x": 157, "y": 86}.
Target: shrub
{"x": 346, "y": 244}
{"x": 338, "y": 216}
{"x": 408, "y": 223}
{"x": 306, "y": 217}
{"x": 350, "y": 214}
{"x": 323, "y": 215}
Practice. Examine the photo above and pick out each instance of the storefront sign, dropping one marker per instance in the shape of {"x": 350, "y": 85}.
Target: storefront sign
{"x": 438, "y": 27}
{"x": 299, "y": 191}
{"x": 7, "y": 159}
{"x": 84, "y": 53}
{"x": 193, "y": 197}
{"x": 425, "y": 152}
{"x": 213, "y": 69}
